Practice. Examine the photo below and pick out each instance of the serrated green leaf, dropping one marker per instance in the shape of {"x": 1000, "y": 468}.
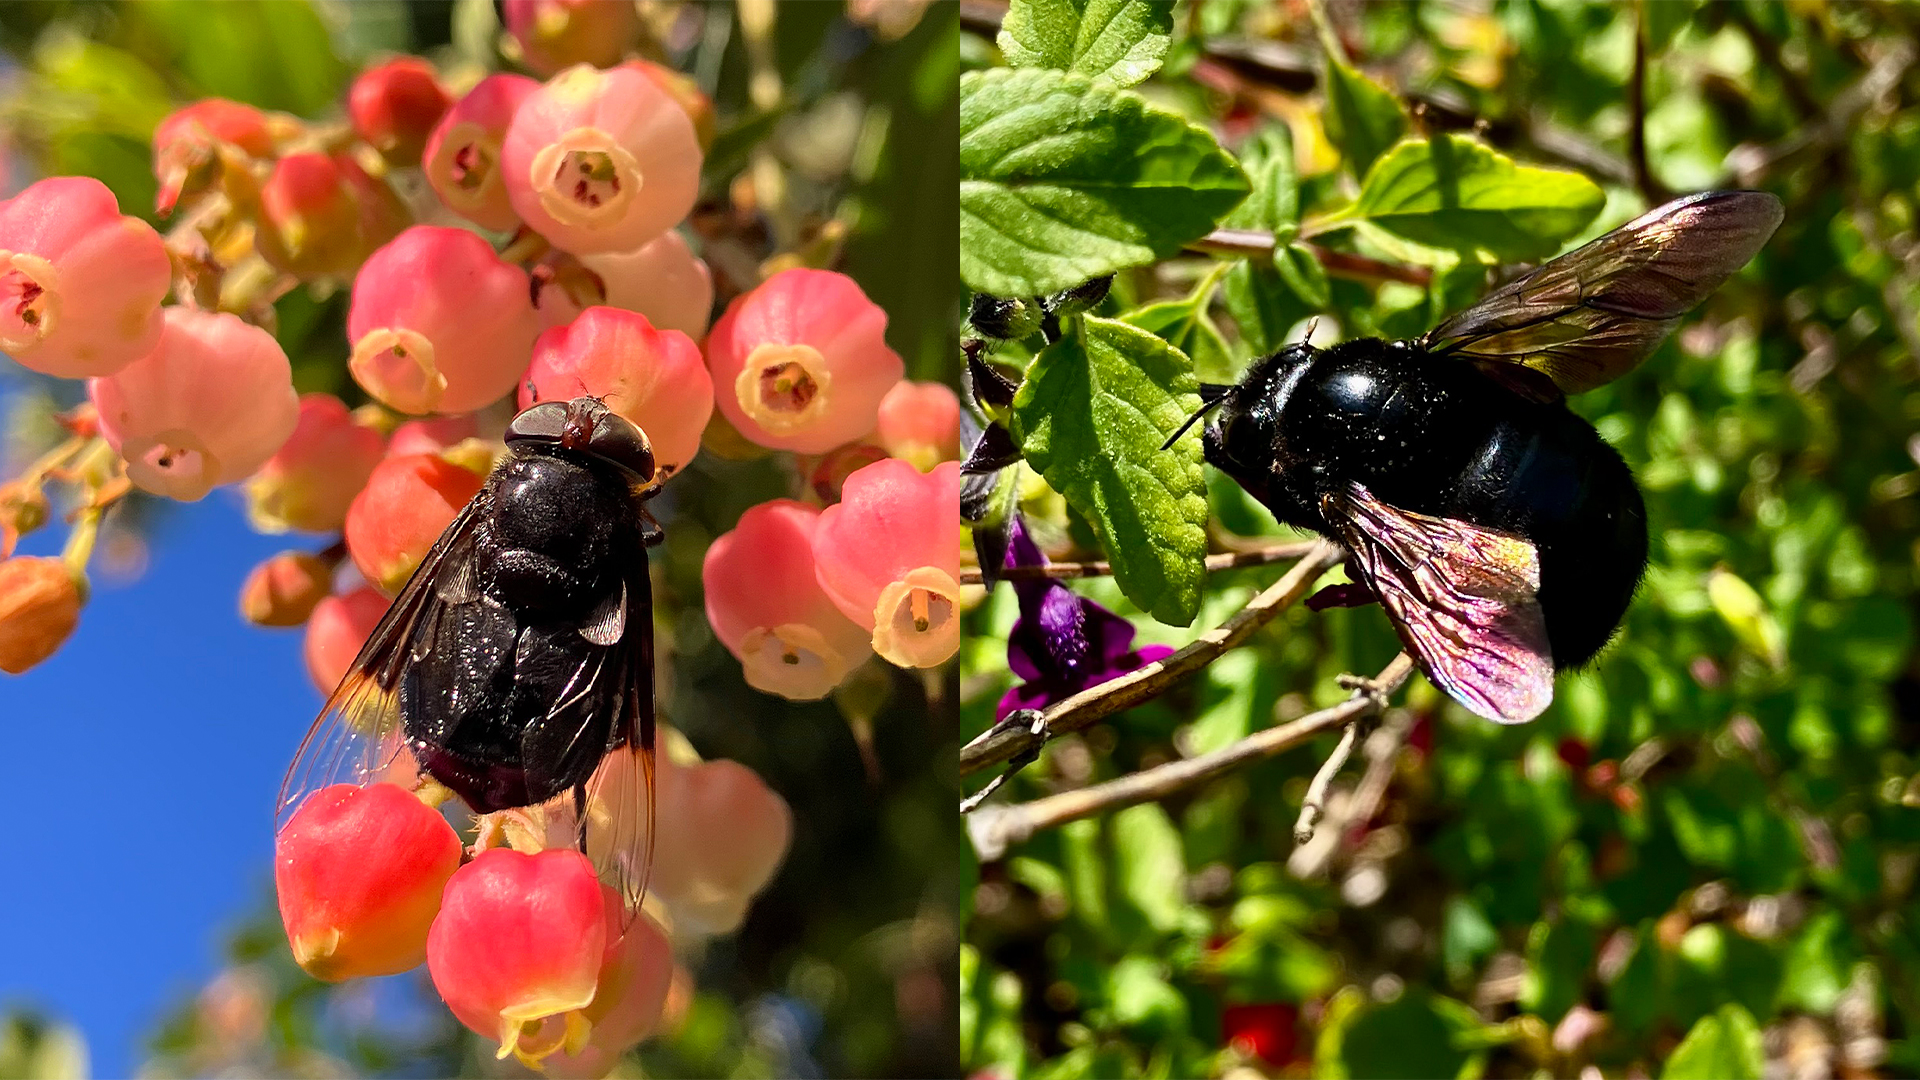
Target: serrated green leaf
{"x": 1062, "y": 181}
{"x": 1113, "y": 42}
{"x": 1091, "y": 416}
{"x": 1262, "y": 304}
{"x": 1722, "y": 1046}
{"x": 1455, "y": 192}
{"x": 1363, "y": 118}
{"x": 1302, "y": 272}
{"x": 1274, "y": 205}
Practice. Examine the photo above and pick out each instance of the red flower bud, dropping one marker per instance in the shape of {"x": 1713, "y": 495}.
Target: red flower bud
{"x": 39, "y": 607}
{"x": 336, "y": 629}
{"x": 395, "y": 106}
{"x": 517, "y": 949}
{"x": 313, "y": 478}
{"x": 1268, "y": 1031}
{"x": 889, "y": 555}
{"x": 360, "y": 872}
{"x": 407, "y": 503}
{"x": 322, "y": 216}
{"x": 283, "y": 590}
{"x": 187, "y": 143}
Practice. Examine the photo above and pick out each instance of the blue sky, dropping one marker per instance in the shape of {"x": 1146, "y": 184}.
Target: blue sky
{"x": 143, "y": 760}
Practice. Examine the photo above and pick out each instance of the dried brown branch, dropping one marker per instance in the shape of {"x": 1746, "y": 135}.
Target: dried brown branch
{"x": 1382, "y": 750}
{"x": 1010, "y": 741}
{"x": 1231, "y": 560}
{"x": 994, "y": 828}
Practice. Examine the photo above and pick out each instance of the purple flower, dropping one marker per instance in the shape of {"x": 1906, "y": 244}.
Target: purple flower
{"x": 1062, "y": 643}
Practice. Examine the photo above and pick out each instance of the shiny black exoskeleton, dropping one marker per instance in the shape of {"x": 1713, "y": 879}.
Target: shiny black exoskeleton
{"x": 1438, "y": 437}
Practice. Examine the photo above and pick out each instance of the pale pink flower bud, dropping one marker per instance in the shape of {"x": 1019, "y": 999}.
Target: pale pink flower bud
{"x": 722, "y": 834}
{"x": 768, "y": 609}
{"x": 462, "y": 157}
{"x": 39, "y": 607}
{"x": 601, "y": 160}
{"x": 636, "y": 974}
{"x": 407, "y": 502}
{"x": 311, "y": 481}
{"x": 439, "y": 323}
{"x": 920, "y": 422}
{"x": 186, "y": 144}
{"x": 336, "y": 629}
{"x": 209, "y": 405}
{"x": 555, "y": 34}
{"x": 80, "y": 284}
{"x": 322, "y": 216}
{"x": 889, "y": 555}
{"x": 652, "y": 377}
{"x": 360, "y": 873}
{"x": 661, "y": 279}
{"x": 517, "y": 949}
{"x": 801, "y": 362}
{"x": 395, "y": 105}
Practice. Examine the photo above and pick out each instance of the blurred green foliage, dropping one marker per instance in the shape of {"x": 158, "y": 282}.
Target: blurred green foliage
{"x": 845, "y": 963}
{"x": 1702, "y": 860}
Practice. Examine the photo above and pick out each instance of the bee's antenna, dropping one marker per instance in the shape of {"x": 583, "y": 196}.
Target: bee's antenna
{"x": 1211, "y": 395}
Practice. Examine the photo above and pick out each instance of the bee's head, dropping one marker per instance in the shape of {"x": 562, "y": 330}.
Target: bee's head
{"x": 1241, "y": 437}
{"x": 585, "y": 425}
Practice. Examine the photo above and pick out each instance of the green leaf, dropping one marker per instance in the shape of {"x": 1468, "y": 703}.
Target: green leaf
{"x": 1091, "y": 416}
{"x": 1722, "y": 1046}
{"x": 1455, "y": 192}
{"x": 276, "y": 55}
{"x": 1363, "y": 118}
{"x": 1113, "y": 42}
{"x": 1142, "y": 998}
{"x": 1062, "y": 181}
{"x": 1262, "y": 304}
{"x": 1152, "y": 870}
{"x": 1274, "y": 205}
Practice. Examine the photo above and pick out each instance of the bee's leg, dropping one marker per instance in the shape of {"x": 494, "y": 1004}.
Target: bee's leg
{"x": 580, "y": 816}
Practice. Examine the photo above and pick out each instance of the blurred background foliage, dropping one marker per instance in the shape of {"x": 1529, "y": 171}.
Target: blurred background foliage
{"x": 1702, "y": 860}
{"x": 845, "y": 963}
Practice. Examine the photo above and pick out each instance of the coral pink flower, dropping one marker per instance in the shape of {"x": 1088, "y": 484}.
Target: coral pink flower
{"x": 39, "y": 607}
{"x": 439, "y": 323}
{"x": 517, "y": 950}
{"x": 337, "y": 628}
{"x": 920, "y": 422}
{"x": 801, "y": 362}
{"x": 767, "y": 607}
{"x": 395, "y": 105}
{"x": 652, "y": 377}
{"x": 432, "y": 435}
{"x": 636, "y": 973}
{"x": 80, "y": 284}
{"x": 889, "y": 555}
{"x": 322, "y": 216}
{"x": 661, "y": 279}
{"x": 601, "y": 160}
{"x": 359, "y": 873}
{"x": 283, "y": 590}
{"x": 311, "y": 481}
{"x": 684, "y": 89}
{"x": 722, "y": 834}
{"x": 462, "y": 156}
{"x": 555, "y": 34}
{"x": 209, "y": 405}
{"x": 407, "y": 503}
{"x": 186, "y": 143}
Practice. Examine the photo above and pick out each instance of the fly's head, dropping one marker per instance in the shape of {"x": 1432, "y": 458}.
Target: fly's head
{"x": 585, "y": 425}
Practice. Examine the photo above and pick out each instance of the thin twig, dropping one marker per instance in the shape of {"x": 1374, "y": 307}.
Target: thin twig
{"x": 1341, "y": 264}
{"x": 1315, "y": 802}
{"x": 1231, "y": 560}
{"x": 994, "y": 828}
{"x": 1005, "y": 742}
{"x": 1751, "y": 165}
{"x": 1643, "y": 181}
{"x": 1382, "y": 750}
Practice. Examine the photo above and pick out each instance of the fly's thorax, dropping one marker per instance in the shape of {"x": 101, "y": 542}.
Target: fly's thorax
{"x": 560, "y": 527}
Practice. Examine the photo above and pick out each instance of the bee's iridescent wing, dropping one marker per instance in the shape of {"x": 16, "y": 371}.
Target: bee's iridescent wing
{"x": 1593, "y": 314}
{"x": 356, "y": 738}
{"x": 1463, "y": 599}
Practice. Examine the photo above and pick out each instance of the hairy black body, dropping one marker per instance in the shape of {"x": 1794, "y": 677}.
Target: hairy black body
{"x": 1438, "y": 437}
{"x": 517, "y": 710}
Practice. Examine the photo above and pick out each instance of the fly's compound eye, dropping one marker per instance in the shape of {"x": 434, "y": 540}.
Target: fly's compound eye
{"x": 543, "y": 423}
{"x": 620, "y": 441}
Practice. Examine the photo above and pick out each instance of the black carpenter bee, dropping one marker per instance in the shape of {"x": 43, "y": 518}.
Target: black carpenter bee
{"x": 1501, "y": 534}
{"x": 516, "y": 665}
